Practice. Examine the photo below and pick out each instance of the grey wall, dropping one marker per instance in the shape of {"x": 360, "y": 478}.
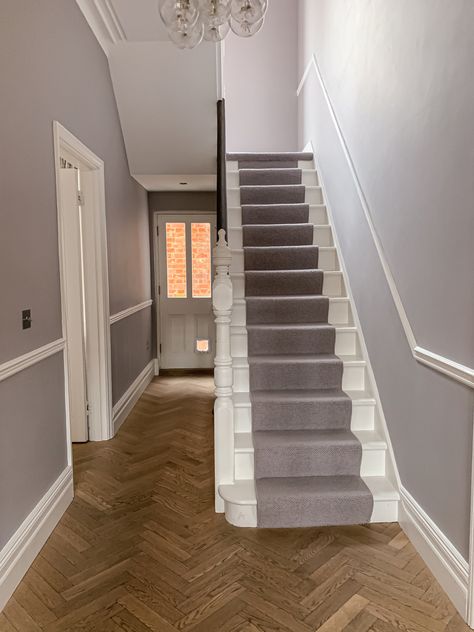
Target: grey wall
{"x": 162, "y": 201}
{"x": 131, "y": 350}
{"x": 53, "y": 68}
{"x": 32, "y": 440}
{"x": 398, "y": 77}
{"x": 260, "y": 77}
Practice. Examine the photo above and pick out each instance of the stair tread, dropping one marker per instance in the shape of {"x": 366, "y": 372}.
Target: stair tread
{"x": 357, "y": 397}
{"x": 369, "y": 439}
{"x": 285, "y": 247}
{"x": 303, "y": 358}
{"x": 323, "y": 357}
{"x": 307, "y": 439}
{"x": 287, "y": 326}
{"x": 243, "y": 492}
{"x": 263, "y": 155}
{"x": 290, "y": 326}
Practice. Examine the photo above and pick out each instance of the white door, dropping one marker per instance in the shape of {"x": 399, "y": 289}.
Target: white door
{"x": 74, "y": 303}
{"x": 186, "y": 325}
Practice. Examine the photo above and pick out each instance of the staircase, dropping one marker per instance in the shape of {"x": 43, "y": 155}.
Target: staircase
{"x": 309, "y": 444}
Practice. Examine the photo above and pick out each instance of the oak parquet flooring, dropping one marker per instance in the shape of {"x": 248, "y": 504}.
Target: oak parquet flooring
{"x": 141, "y": 548}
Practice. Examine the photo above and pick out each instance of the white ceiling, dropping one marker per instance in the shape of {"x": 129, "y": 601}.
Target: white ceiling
{"x": 166, "y": 97}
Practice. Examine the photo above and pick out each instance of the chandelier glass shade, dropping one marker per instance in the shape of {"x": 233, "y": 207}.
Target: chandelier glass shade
{"x": 188, "y": 22}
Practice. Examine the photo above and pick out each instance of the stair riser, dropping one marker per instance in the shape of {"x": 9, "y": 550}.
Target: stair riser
{"x": 269, "y": 376}
{"x": 317, "y": 215}
{"x": 276, "y": 235}
{"x": 308, "y": 178}
{"x": 327, "y": 260}
{"x": 346, "y": 344}
{"x": 333, "y": 286}
{"x": 372, "y": 464}
{"x": 353, "y": 379}
{"x": 294, "y": 258}
{"x": 298, "y": 342}
{"x": 362, "y": 417}
{"x": 339, "y": 314}
{"x": 246, "y": 515}
{"x": 312, "y": 195}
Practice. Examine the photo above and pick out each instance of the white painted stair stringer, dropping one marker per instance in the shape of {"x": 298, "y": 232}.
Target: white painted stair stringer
{"x": 378, "y": 466}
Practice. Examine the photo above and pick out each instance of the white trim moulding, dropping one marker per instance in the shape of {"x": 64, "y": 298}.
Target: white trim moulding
{"x": 446, "y": 563}
{"x": 19, "y": 552}
{"x": 128, "y": 400}
{"x": 7, "y": 369}
{"x": 130, "y": 311}
{"x": 444, "y": 365}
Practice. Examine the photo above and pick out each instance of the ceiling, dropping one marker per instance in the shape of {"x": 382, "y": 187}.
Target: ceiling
{"x": 166, "y": 97}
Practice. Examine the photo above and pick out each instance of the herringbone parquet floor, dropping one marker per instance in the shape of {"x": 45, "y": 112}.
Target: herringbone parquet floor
{"x": 141, "y": 549}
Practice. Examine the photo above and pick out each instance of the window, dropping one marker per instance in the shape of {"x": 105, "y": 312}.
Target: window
{"x": 176, "y": 259}
{"x": 201, "y": 259}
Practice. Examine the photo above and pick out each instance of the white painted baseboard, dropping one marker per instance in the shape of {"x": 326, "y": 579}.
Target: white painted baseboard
{"x": 18, "y": 554}
{"x": 444, "y": 560}
{"x": 128, "y": 400}
{"x": 157, "y": 366}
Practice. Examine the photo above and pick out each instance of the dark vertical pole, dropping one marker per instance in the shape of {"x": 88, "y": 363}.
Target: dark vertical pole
{"x": 221, "y": 168}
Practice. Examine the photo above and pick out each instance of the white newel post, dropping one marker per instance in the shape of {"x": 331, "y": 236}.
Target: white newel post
{"x": 223, "y": 407}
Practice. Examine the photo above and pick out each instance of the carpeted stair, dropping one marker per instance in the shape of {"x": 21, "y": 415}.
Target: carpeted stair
{"x": 307, "y": 461}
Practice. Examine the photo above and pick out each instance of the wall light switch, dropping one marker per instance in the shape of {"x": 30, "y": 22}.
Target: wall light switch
{"x": 26, "y": 318}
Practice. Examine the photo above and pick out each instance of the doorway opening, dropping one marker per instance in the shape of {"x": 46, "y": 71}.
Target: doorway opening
{"x": 84, "y": 288}
{"x": 183, "y": 273}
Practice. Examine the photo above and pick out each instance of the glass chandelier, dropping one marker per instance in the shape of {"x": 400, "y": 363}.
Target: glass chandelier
{"x": 190, "y": 21}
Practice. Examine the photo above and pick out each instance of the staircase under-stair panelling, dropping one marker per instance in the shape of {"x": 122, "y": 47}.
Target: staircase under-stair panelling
{"x": 309, "y": 449}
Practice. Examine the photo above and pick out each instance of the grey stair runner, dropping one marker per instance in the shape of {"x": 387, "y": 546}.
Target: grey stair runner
{"x": 307, "y": 461}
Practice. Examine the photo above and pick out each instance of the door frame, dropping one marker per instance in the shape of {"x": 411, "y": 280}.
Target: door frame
{"x": 156, "y": 268}
{"x": 96, "y": 280}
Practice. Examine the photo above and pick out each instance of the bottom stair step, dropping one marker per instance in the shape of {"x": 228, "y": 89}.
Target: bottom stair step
{"x": 312, "y": 501}
{"x": 240, "y": 501}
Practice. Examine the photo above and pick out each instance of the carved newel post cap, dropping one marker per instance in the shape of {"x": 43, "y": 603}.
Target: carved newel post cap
{"x": 222, "y": 254}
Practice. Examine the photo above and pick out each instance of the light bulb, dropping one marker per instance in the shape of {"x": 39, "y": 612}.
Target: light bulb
{"x": 249, "y": 11}
{"x": 245, "y": 29}
{"x": 216, "y": 33}
{"x": 214, "y": 12}
{"x": 175, "y": 12}
{"x": 187, "y": 37}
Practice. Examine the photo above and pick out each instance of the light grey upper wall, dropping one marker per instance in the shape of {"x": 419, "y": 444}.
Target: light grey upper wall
{"x": 260, "y": 77}
{"x": 398, "y": 77}
{"x": 52, "y": 67}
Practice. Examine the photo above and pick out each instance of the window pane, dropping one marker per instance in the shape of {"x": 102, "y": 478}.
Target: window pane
{"x": 201, "y": 258}
{"x": 176, "y": 259}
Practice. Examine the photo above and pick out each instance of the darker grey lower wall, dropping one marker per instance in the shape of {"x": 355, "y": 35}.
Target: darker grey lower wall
{"x": 131, "y": 350}
{"x": 33, "y": 448}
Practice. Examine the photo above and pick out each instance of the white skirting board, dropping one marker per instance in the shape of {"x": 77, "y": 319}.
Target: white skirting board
{"x": 18, "y": 554}
{"x": 444, "y": 560}
{"x": 128, "y": 400}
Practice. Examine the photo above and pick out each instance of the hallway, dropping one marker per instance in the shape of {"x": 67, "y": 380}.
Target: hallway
{"x": 141, "y": 548}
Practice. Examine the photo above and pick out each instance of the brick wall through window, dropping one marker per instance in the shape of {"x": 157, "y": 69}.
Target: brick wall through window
{"x": 201, "y": 259}
{"x": 176, "y": 259}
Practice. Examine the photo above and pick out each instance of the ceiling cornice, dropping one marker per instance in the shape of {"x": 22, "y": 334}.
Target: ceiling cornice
{"x": 104, "y": 22}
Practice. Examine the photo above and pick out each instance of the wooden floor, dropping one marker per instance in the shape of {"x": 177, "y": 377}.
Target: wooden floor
{"x": 141, "y": 549}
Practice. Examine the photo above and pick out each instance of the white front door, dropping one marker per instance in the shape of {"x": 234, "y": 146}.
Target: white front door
{"x": 186, "y": 325}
